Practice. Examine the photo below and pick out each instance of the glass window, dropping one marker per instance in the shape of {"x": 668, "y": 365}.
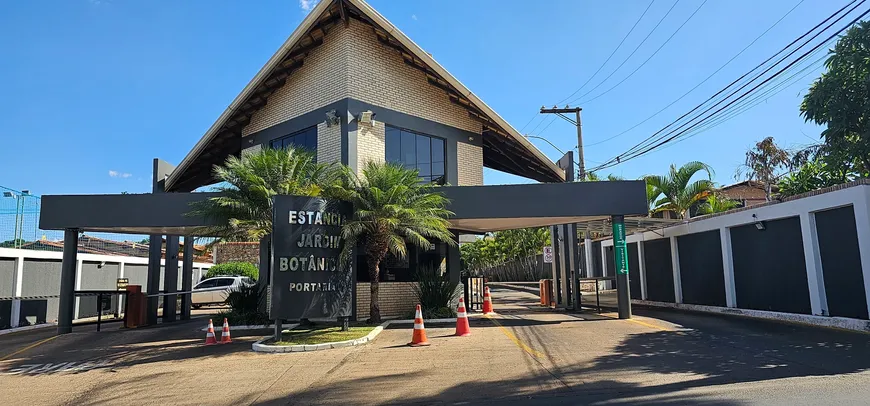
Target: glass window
{"x": 205, "y": 284}
{"x": 305, "y": 139}
{"x": 224, "y": 282}
{"x": 417, "y": 151}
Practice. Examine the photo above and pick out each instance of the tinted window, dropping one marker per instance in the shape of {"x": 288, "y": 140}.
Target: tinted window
{"x": 224, "y": 282}
{"x": 417, "y": 151}
{"x": 205, "y": 284}
{"x": 305, "y": 139}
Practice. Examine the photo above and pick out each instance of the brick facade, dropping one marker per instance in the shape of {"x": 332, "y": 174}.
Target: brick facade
{"x": 370, "y": 144}
{"x": 397, "y": 299}
{"x": 237, "y": 252}
{"x": 321, "y": 80}
{"x": 328, "y": 143}
{"x": 469, "y": 159}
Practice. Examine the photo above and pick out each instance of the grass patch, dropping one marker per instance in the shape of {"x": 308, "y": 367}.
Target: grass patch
{"x": 320, "y": 334}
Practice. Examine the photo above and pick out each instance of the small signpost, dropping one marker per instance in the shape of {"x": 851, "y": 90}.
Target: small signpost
{"x": 309, "y": 279}
{"x": 548, "y": 255}
{"x": 122, "y": 283}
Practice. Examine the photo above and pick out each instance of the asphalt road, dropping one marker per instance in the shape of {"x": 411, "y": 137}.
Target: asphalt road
{"x": 525, "y": 355}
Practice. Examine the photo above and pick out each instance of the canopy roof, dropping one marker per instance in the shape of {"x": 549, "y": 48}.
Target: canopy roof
{"x": 504, "y": 148}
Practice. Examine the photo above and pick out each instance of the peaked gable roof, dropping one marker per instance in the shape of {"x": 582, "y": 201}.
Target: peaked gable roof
{"x": 504, "y": 148}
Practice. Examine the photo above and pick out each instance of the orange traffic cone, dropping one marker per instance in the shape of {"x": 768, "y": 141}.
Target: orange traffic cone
{"x": 225, "y": 335}
{"x": 462, "y": 328}
{"x": 487, "y": 302}
{"x": 209, "y": 336}
{"x": 419, "y": 337}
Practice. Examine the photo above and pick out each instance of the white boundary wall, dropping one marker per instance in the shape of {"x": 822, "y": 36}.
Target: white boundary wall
{"x": 856, "y": 194}
{"x": 21, "y": 255}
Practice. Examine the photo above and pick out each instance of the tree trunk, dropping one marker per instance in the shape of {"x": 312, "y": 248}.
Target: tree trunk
{"x": 374, "y": 262}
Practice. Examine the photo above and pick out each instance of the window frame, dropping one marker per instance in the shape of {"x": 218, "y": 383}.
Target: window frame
{"x": 417, "y": 162}
{"x": 308, "y": 132}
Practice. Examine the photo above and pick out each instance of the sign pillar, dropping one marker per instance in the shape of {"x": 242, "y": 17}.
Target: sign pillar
{"x": 620, "y": 259}
{"x": 309, "y": 278}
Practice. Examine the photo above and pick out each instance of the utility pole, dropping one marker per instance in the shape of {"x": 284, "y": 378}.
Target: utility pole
{"x": 576, "y": 110}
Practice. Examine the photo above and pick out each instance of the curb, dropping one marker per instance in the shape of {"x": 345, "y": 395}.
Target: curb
{"x": 246, "y": 327}
{"x": 27, "y": 328}
{"x": 274, "y": 349}
{"x": 842, "y": 323}
{"x": 260, "y": 347}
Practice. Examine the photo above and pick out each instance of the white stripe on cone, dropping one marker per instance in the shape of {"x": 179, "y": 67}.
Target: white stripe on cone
{"x": 461, "y": 315}
{"x": 209, "y": 334}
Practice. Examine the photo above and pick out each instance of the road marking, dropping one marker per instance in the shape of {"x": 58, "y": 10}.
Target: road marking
{"x": 636, "y": 321}
{"x": 40, "y": 342}
{"x": 516, "y": 340}
{"x": 63, "y": 367}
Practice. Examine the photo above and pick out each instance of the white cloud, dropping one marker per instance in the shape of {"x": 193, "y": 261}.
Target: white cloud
{"x": 116, "y": 174}
{"x": 414, "y": 17}
{"x": 307, "y": 5}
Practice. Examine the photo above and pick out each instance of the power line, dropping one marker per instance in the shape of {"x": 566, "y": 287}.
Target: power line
{"x": 647, "y": 59}
{"x": 644, "y": 145}
{"x": 641, "y": 149}
{"x": 611, "y": 54}
{"x": 703, "y": 81}
{"x": 632, "y": 52}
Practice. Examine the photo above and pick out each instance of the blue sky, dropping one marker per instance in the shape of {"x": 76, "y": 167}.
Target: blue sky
{"x": 92, "y": 90}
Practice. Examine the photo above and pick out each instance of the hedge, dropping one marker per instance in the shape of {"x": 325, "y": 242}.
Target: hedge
{"x": 234, "y": 269}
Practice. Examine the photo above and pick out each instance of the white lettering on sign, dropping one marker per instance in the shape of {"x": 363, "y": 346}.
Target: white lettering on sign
{"x": 307, "y": 264}
{"x": 315, "y": 218}
{"x": 312, "y": 287}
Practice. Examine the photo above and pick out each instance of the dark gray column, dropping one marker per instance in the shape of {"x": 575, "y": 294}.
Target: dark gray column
{"x": 265, "y": 275}
{"x": 153, "y": 282}
{"x": 186, "y": 277}
{"x": 454, "y": 262}
{"x": 564, "y": 270}
{"x": 67, "y": 301}
{"x": 557, "y": 282}
{"x": 620, "y": 259}
{"x": 170, "y": 279}
{"x": 573, "y": 256}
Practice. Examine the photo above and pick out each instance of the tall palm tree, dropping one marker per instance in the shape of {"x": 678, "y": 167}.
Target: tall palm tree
{"x": 242, "y": 210}
{"x": 678, "y": 190}
{"x": 391, "y": 209}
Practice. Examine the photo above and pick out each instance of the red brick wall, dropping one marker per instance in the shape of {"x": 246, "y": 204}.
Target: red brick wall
{"x": 237, "y": 252}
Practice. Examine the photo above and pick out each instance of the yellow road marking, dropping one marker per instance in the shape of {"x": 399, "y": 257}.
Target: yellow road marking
{"x": 40, "y": 342}
{"x": 636, "y": 321}
{"x": 516, "y": 340}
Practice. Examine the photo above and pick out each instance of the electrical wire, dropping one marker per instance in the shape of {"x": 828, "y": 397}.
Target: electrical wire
{"x": 647, "y": 59}
{"x": 611, "y": 54}
{"x": 632, "y": 52}
{"x": 700, "y": 83}
{"x": 645, "y": 146}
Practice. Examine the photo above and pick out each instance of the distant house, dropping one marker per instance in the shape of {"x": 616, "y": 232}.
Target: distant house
{"x": 748, "y": 192}
{"x": 93, "y": 245}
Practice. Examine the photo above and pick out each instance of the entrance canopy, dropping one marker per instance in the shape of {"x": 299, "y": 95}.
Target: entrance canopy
{"x": 477, "y": 209}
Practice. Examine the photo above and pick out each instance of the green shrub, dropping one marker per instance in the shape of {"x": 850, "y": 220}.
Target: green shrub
{"x": 434, "y": 291}
{"x": 234, "y": 269}
{"x": 245, "y": 303}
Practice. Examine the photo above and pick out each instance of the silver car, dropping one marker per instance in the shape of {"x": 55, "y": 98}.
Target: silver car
{"x": 215, "y": 290}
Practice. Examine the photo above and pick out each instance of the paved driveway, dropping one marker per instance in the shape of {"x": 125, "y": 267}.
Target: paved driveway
{"x": 525, "y": 355}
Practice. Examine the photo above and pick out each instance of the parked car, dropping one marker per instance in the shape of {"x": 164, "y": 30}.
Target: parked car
{"x": 215, "y": 290}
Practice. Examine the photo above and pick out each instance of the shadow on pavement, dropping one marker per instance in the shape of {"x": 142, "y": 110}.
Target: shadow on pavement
{"x": 123, "y": 348}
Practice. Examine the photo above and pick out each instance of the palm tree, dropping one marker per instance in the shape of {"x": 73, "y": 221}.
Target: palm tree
{"x": 717, "y": 203}
{"x": 679, "y": 195}
{"x": 242, "y": 211}
{"x": 391, "y": 209}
